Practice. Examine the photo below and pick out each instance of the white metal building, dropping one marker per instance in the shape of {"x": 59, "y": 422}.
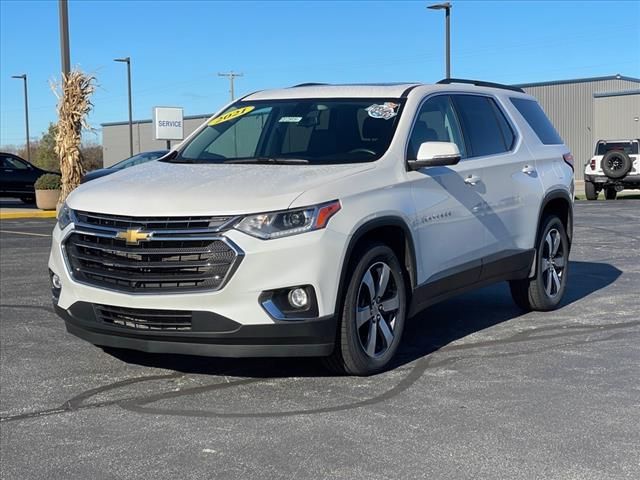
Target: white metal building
{"x": 115, "y": 137}
{"x": 585, "y": 110}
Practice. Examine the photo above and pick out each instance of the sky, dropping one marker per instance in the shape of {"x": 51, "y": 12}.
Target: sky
{"x": 177, "y": 48}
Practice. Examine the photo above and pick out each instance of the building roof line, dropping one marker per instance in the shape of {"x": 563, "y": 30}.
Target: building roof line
{"x": 619, "y": 93}
{"x": 578, "y": 80}
{"x": 203, "y": 116}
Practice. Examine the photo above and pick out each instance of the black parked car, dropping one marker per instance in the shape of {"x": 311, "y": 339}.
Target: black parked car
{"x": 129, "y": 162}
{"x": 17, "y": 177}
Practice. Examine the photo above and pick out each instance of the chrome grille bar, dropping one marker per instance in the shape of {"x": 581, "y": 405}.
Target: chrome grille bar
{"x": 168, "y": 260}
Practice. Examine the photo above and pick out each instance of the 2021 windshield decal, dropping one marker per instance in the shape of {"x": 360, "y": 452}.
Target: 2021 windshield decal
{"x": 238, "y": 112}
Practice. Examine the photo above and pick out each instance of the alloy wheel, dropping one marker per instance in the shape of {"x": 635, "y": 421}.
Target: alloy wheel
{"x": 377, "y": 308}
{"x": 615, "y": 163}
{"x": 553, "y": 263}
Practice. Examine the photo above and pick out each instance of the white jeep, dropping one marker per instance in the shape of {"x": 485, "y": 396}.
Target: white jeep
{"x": 615, "y": 166}
{"x": 314, "y": 220}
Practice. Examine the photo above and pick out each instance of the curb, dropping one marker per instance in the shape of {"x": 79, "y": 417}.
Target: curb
{"x": 36, "y": 214}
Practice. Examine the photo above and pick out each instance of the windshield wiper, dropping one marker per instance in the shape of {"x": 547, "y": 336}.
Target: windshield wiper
{"x": 270, "y": 160}
{"x": 173, "y": 157}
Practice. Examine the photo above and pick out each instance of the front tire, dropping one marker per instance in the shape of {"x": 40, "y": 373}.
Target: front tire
{"x": 373, "y": 314}
{"x": 590, "y": 190}
{"x": 544, "y": 291}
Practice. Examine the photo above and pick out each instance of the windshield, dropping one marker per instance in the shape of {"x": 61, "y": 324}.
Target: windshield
{"x": 630, "y": 148}
{"x": 314, "y": 131}
{"x": 139, "y": 158}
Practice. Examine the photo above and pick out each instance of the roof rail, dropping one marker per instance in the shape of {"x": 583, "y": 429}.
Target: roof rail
{"x": 480, "y": 83}
{"x": 309, "y": 84}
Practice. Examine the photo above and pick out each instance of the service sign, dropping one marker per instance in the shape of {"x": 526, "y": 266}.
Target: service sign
{"x": 168, "y": 123}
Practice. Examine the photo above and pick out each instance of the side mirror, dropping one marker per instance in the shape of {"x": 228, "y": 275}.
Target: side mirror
{"x": 435, "y": 154}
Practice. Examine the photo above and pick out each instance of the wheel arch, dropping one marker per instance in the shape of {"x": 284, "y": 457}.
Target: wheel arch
{"x": 390, "y": 230}
{"x": 560, "y": 203}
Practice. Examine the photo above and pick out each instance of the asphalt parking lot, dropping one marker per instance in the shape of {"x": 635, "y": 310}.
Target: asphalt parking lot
{"x": 479, "y": 391}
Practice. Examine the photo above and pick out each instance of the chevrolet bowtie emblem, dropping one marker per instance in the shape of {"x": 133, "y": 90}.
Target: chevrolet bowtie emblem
{"x": 134, "y": 236}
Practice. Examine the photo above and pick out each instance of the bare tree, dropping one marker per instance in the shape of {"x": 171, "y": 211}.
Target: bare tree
{"x": 74, "y": 104}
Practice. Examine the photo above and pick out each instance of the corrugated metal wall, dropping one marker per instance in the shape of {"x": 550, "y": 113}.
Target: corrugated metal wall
{"x": 617, "y": 117}
{"x": 570, "y": 106}
{"x": 115, "y": 138}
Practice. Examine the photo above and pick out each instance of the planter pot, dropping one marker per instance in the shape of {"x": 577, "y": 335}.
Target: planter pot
{"x": 47, "y": 199}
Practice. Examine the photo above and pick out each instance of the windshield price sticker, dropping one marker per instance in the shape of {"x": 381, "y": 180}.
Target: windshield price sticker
{"x": 231, "y": 115}
{"x": 289, "y": 119}
{"x": 386, "y": 111}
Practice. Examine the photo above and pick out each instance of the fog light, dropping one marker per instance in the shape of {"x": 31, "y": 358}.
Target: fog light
{"x": 55, "y": 281}
{"x": 298, "y": 298}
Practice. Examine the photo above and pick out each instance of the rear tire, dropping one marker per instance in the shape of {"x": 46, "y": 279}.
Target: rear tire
{"x": 545, "y": 290}
{"x": 373, "y": 314}
{"x": 610, "y": 193}
{"x": 590, "y": 190}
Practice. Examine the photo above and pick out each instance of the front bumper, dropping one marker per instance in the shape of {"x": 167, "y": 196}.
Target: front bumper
{"x": 312, "y": 258}
{"x": 292, "y": 339}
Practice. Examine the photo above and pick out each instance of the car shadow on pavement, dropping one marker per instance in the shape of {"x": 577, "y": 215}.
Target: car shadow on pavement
{"x": 436, "y": 327}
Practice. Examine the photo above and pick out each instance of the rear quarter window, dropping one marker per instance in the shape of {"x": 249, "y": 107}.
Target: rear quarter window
{"x": 537, "y": 120}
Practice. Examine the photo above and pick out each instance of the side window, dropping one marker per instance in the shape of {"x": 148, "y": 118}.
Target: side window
{"x": 480, "y": 118}
{"x": 507, "y": 132}
{"x": 436, "y": 122}
{"x": 10, "y": 162}
{"x": 537, "y": 120}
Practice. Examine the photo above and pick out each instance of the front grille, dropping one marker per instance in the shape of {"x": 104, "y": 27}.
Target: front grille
{"x": 122, "y": 222}
{"x": 184, "y": 256}
{"x": 144, "y": 319}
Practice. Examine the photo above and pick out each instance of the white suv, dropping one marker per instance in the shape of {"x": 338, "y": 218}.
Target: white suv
{"x": 314, "y": 220}
{"x": 615, "y": 165}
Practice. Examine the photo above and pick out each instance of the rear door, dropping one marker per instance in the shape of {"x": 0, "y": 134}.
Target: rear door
{"x": 510, "y": 190}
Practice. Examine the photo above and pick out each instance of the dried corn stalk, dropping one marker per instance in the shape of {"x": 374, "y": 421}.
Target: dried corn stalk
{"x": 74, "y": 105}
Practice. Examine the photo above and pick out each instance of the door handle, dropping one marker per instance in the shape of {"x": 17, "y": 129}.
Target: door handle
{"x": 472, "y": 180}
{"x": 529, "y": 170}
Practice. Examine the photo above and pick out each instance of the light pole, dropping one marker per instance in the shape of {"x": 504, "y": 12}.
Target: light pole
{"x": 231, "y": 75}
{"x": 127, "y": 60}
{"x": 26, "y": 112}
{"x": 64, "y": 36}
{"x": 447, "y": 12}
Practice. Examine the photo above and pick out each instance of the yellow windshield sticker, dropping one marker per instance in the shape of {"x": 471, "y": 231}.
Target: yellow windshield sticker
{"x": 231, "y": 115}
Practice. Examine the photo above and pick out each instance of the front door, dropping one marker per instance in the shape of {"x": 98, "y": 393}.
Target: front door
{"x": 450, "y": 231}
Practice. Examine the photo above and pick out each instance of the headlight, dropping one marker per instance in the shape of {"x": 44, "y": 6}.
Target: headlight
{"x": 288, "y": 222}
{"x": 65, "y": 216}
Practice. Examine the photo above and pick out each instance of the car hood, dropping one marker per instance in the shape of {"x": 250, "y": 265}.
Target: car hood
{"x": 174, "y": 189}
{"x": 101, "y": 172}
